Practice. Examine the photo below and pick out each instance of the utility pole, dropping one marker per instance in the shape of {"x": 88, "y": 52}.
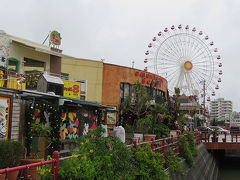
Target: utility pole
{"x": 204, "y": 105}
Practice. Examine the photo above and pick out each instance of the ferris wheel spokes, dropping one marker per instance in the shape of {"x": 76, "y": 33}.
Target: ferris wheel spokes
{"x": 185, "y": 57}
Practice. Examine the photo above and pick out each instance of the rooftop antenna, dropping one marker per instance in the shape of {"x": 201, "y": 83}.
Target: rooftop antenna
{"x": 133, "y": 64}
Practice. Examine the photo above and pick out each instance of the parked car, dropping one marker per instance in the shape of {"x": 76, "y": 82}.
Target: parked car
{"x": 234, "y": 130}
{"x": 220, "y": 129}
{"x": 205, "y": 133}
{"x": 204, "y": 129}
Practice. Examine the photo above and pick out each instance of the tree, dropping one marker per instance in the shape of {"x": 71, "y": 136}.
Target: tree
{"x": 137, "y": 103}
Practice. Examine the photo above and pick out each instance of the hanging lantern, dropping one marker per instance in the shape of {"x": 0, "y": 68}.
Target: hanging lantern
{"x": 154, "y": 39}
{"x": 220, "y": 65}
{"x": 211, "y": 43}
{"x": 147, "y": 52}
{"x": 187, "y": 27}
{"x": 215, "y": 50}
{"x": 206, "y": 38}
{"x": 172, "y": 27}
{"x": 213, "y": 93}
{"x": 145, "y": 69}
{"x": 217, "y": 87}
{"x": 143, "y": 80}
{"x": 180, "y": 26}
{"x": 218, "y": 57}
{"x": 219, "y": 80}
{"x": 202, "y": 104}
{"x": 145, "y": 60}
{"x": 200, "y": 33}
{"x": 150, "y": 45}
{"x": 194, "y": 29}
{"x": 166, "y": 30}
{"x": 160, "y": 33}
{"x": 220, "y": 72}
{"x": 208, "y": 99}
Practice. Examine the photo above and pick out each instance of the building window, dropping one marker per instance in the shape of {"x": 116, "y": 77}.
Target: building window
{"x": 31, "y": 65}
{"x": 125, "y": 89}
{"x": 13, "y": 64}
{"x": 64, "y": 76}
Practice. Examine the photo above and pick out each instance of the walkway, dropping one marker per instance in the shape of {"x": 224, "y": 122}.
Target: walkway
{"x": 232, "y": 142}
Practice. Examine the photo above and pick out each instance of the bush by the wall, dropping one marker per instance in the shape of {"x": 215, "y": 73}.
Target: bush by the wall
{"x": 192, "y": 146}
{"x": 185, "y": 151}
{"x": 174, "y": 163}
{"x": 149, "y": 165}
{"x": 10, "y": 153}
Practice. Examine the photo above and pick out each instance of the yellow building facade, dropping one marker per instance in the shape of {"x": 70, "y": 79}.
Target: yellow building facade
{"x": 89, "y": 70}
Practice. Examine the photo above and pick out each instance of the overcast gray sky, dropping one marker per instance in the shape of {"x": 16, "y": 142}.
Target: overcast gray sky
{"x": 120, "y": 30}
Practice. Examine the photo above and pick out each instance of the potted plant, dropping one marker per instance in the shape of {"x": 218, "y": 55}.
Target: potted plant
{"x": 10, "y": 154}
{"x": 31, "y": 173}
{"x": 40, "y": 133}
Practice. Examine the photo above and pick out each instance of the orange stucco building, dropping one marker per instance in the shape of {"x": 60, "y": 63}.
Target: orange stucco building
{"x": 117, "y": 81}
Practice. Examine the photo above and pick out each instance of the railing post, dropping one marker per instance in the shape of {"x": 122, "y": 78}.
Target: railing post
{"x": 225, "y": 134}
{"x": 172, "y": 141}
{"x": 178, "y": 139}
{"x": 152, "y": 144}
{"x": 163, "y": 145}
{"x": 134, "y": 143}
{"x": 55, "y": 164}
{"x": 199, "y": 137}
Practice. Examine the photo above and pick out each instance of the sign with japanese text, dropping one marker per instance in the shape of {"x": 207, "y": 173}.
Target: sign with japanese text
{"x": 72, "y": 89}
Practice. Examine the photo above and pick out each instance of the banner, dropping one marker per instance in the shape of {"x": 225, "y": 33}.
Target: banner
{"x": 4, "y": 117}
{"x": 72, "y": 89}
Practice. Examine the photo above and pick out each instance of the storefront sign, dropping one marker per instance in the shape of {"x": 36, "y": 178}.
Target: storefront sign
{"x": 55, "y": 38}
{"x": 72, "y": 89}
{"x": 4, "y": 117}
{"x": 111, "y": 118}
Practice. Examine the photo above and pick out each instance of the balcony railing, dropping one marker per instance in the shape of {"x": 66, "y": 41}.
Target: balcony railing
{"x": 13, "y": 80}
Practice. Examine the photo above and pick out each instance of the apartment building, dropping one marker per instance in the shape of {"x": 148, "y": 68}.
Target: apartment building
{"x": 220, "y": 109}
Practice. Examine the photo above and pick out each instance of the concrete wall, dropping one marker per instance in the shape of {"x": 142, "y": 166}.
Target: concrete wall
{"x": 205, "y": 167}
{"x": 83, "y": 69}
{"x": 55, "y": 64}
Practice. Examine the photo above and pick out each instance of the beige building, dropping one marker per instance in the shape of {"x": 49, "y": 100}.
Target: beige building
{"x": 89, "y": 70}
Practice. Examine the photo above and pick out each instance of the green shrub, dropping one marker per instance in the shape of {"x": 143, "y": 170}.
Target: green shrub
{"x": 77, "y": 168}
{"x": 10, "y": 153}
{"x": 185, "y": 151}
{"x": 192, "y": 146}
{"x": 45, "y": 172}
{"x": 149, "y": 165}
{"x": 160, "y": 130}
{"x": 174, "y": 163}
{"x": 110, "y": 157}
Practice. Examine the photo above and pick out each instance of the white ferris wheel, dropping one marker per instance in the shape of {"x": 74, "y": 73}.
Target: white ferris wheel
{"x": 187, "y": 58}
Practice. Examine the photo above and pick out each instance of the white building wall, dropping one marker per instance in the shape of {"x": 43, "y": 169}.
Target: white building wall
{"x": 221, "y": 110}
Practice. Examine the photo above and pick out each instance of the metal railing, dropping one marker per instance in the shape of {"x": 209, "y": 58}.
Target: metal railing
{"x": 173, "y": 142}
